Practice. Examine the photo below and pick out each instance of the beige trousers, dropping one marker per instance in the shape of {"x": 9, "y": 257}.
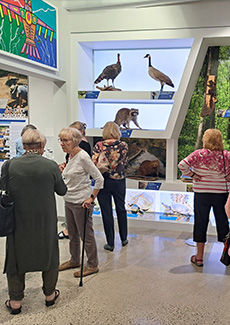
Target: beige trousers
{"x": 75, "y": 217}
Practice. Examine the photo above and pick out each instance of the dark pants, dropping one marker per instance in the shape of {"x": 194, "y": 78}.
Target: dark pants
{"x": 202, "y": 205}
{"x": 16, "y": 284}
{"x": 116, "y": 189}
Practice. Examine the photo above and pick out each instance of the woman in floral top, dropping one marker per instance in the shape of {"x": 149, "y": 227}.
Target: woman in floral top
{"x": 114, "y": 185}
{"x": 210, "y": 170}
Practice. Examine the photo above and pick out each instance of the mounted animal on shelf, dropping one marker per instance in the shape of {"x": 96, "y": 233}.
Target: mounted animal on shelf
{"x": 125, "y": 115}
{"x": 110, "y": 72}
{"x": 149, "y": 168}
{"x": 158, "y": 75}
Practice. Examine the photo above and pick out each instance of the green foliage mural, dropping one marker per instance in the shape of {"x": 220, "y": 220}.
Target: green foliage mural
{"x": 190, "y": 139}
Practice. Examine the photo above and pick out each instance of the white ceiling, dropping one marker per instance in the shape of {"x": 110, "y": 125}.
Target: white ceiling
{"x": 85, "y": 5}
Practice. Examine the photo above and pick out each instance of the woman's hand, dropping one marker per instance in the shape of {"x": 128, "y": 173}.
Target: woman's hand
{"x": 87, "y": 203}
{"x": 196, "y": 178}
{"x": 62, "y": 167}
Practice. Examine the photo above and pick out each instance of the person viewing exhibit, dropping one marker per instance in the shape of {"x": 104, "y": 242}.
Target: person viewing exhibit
{"x": 116, "y": 154}
{"x": 33, "y": 246}
{"x": 19, "y": 145}
{"x": 79, "y": 197}
{"x": 210, "y": 171}
{"x": 84, "y": 144}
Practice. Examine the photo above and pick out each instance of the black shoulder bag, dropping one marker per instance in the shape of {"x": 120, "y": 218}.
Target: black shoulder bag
{"x": 6, "y": 206}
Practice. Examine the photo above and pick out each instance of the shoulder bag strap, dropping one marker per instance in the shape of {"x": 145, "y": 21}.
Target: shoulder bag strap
{"x": 5, "y": 178}
{"x": 225, "y": 171}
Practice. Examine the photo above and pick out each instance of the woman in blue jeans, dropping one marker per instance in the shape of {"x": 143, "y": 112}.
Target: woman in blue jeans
{"x": 116, "y": 153}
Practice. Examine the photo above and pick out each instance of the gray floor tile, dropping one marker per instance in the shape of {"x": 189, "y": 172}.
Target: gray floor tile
{"x": 149, "y": 282}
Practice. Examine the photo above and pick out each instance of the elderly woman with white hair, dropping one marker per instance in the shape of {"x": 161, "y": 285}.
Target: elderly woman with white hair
{"x": 79, "y": 197}
{"x": 33, "y": 246}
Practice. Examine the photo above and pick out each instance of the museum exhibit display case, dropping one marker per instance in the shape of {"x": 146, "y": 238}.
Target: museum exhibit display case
{"x": 135, "y": 89}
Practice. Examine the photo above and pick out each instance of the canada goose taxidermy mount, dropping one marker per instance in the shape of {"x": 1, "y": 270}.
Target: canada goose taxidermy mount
{"x": 158, "y": 75}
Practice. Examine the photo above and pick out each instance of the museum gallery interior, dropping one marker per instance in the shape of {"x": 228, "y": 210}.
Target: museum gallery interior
{"x": 160, "y": 70}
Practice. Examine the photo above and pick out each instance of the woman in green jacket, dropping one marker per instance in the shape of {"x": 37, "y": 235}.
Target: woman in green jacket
{"x": 33, "y": 182}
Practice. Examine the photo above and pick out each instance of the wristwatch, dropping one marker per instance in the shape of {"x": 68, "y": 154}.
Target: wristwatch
{"x": 92, "y": 197}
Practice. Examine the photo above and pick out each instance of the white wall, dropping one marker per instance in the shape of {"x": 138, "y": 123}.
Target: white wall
{"x": 190, "y": 15}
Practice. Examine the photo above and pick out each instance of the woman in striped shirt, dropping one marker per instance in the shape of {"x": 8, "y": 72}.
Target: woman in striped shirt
{"x": 210, "y": 170}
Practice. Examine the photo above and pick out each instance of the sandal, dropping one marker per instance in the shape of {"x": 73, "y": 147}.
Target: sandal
{"x": 62, "y": 235}
{"x": 197, "y": 262}
{"x": 13, "y": 311}
{"x": 52, "y": 302}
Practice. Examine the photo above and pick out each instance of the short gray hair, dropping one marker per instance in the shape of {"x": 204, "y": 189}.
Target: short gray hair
{"x": 33, "y": 139}
{"x": 72, "y": 133}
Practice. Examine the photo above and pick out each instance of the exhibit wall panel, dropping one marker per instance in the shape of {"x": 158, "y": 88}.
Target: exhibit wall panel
{"x": 99, "y": 30}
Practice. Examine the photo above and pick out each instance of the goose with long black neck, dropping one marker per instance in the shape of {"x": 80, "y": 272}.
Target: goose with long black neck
{"x": 158, "y": 75}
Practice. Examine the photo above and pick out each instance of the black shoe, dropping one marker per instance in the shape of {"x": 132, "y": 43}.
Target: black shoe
{"x": 124, "y": 242}
{"x": 62, "y": 235}
{"x": 52, "y": 302}
{"x": 13, "y": 311}
{"x": 108, "y": 247}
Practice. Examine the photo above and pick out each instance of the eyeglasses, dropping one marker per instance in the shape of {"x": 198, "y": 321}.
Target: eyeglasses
{"x": 64, "y": 140}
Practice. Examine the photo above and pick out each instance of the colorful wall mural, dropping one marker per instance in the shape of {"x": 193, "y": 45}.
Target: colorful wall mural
{"x": 28, "y": 30}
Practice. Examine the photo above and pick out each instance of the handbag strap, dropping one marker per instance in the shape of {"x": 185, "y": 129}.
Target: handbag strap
{"x": 225, "y": 170}
{"x": 6, "y": 177}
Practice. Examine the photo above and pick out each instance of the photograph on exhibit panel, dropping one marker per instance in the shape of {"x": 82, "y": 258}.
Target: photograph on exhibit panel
{"x": 29, "y": 31}
{"x": 13, "y": 111}
{"x": 146, "y": 158}
{"x": 4, "y": 130}
{"x": 140, "y": 203}
{"x": 210, "y": 103}
{"x": 4, "y": 142}
{"x": 176, "y": 206}
{"x": 13, "y": 95}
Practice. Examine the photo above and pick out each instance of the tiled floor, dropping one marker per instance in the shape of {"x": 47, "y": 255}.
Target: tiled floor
{"x": 148, "y": 282}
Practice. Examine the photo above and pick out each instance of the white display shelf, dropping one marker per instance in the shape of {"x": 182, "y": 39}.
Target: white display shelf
{"x": 145, "y": 101}
{"x": 155, "y": 97}
{"x": 129, "y": 133}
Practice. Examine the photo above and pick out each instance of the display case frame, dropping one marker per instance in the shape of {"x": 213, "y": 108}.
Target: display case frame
{"x": 85, "y": 52}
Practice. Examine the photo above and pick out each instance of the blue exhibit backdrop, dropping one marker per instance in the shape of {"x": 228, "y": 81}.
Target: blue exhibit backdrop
{"x": 28, "y": 30}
